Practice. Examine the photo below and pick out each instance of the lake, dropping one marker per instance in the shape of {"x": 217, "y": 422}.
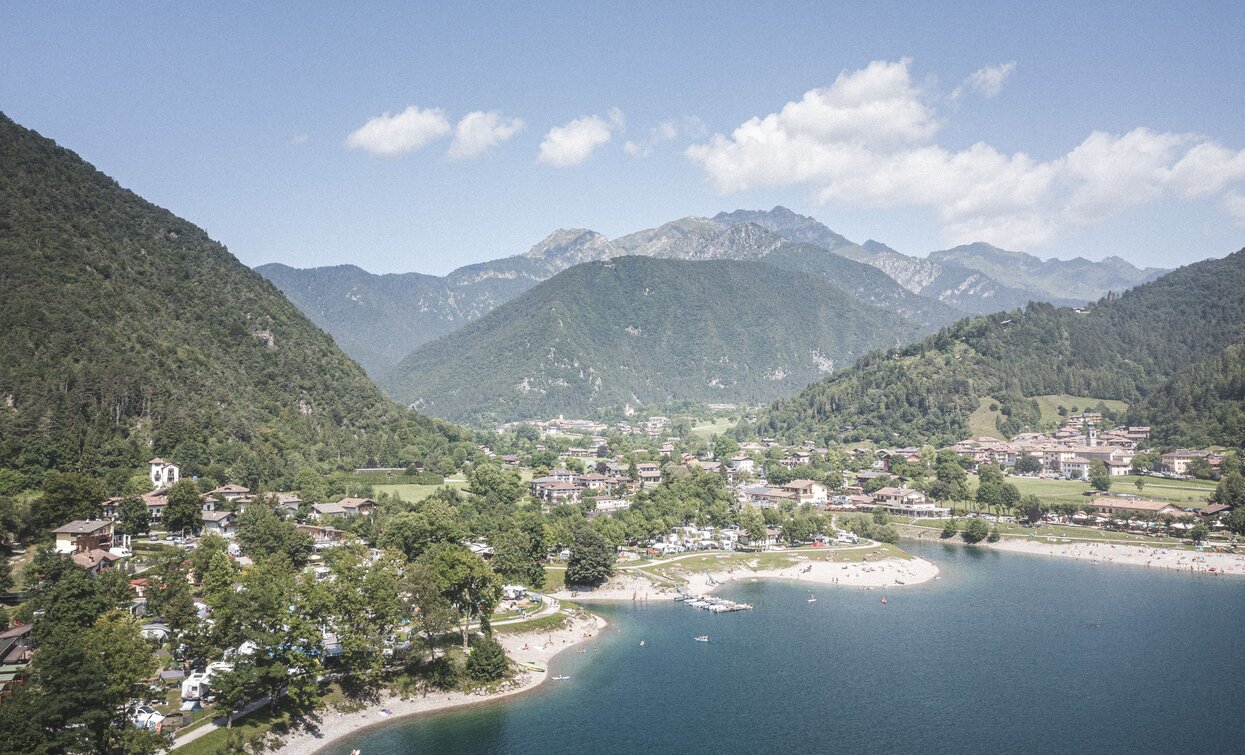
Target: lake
{"x": 1005, "y": 653}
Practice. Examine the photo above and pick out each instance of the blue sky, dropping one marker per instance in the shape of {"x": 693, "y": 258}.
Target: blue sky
{"x": 1072, "y": 129}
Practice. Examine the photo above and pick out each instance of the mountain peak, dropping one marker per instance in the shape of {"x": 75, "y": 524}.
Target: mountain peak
{"x": 570, "y": 246}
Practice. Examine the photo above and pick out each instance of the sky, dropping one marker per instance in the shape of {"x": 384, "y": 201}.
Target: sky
{"x": 417, "y": 137}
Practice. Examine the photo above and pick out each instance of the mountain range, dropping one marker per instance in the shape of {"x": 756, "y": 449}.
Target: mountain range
{"x": 645, "y": 330}
{"x": 1171, "y": 348}
{"x": 127, "y": 333}
{"x": 379, "y": 319}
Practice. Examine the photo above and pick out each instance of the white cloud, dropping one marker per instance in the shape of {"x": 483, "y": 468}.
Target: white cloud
{"x": 666, "y": 131}
{"x": 987, "y": 82}
{"x": 392, "y": 135}
{"x": 480, "y": 131}
{"x": 572, "y": 144}
{"x": 869, "y": 140}
{"x": 1233, "y": 203}
{"x": 299, "y": 139}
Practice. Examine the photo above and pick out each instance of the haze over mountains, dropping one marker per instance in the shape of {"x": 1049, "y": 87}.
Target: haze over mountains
{"x": 379, "y": 319}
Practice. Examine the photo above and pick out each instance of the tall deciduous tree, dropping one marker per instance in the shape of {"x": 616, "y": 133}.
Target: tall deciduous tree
{"x": 185, "y": 510}
{"x": 592, "y": 559}
{"x": 467, "y": 583}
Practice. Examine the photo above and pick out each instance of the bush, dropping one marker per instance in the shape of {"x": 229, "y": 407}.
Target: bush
{"x": 976, "y": 531}
{"x": 487, "y": 660}
{"x": 441, "y": 673}
{"x": 950, "y": 529}
{"x": 994, "y": 536}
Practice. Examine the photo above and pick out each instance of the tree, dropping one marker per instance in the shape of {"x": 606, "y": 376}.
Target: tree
{"x": 487, "y": 660}
{"x": 1140, "y": 482}
{"x": 262, "y": 534}
{"x": 201, "y": 557}
{"x": 68, "y": 496}
{"x": 994, "y": 535}
{"x": 880, "y": 516}
{"x": 515, "y": 560}
{"x": 495, "y": 484}
{"x": 949, "y": 529}
{"x": 466, "y": 582}
{"x": 975, "y": 531}
{"x": 1198, "y": 532}
{"x": 218, "y": 579}
{"x": 591, "y": 561}
{"x": 126, "y": 660}
{"x": 413, "y": 532}
{"x": 1200, "y": 468}
{"x": 1099, "y": 476}
{"x": 233, "y": 688}
{"x": 185, "y": 510}
{"x": 1230, "y": 491}
{"x": 754, "y": 524}
{"x": 1026, "y": 463}
{"x": 168, "y": 592}
{"x": 434, "y": 615}
{"x": 133, "y": 518}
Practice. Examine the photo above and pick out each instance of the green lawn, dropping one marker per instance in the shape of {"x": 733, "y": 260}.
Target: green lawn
{"x": 1049, "y": 405}
{"x": 714, "y": 428}
{"x": 414, "y": 493}
{"x": 981, "y": 421}
{"x": 555, "y": 578}
{"x": 1184, "y": 493}
{"x": 260, "y": 722}
{"x": 713, "y": 561}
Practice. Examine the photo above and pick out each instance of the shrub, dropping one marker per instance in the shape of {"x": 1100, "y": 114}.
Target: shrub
{"x": 487, "y": 660}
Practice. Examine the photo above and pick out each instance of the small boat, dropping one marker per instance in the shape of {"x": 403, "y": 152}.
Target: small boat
{"x": 530, "y": 666}
{"x": 811, "y": 599}
{"x": 883, "y": 599}
{"x": 641, "y": 643}
{"x": 560, "y": 677}
{"x": 702, "y": 638}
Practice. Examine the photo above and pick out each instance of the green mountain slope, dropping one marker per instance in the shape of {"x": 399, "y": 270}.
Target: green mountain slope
{"x": 639, "y": 329}
{"x": 1204, "y": 404}
{"x": 1126, "y": 348}
{"x": 127, "y": 332}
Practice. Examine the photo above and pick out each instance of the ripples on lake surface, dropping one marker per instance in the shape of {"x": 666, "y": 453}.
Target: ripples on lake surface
{"x": 1004, "y": 653}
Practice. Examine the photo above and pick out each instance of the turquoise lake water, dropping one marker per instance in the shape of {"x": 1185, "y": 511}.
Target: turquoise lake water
{"x": 1004, "y": 653}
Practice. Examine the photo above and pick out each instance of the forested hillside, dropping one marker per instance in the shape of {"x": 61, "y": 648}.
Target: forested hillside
{"x": 1127, "y": 347}
{"x": 125, "y": 332}
{"x": 644, "y": 330}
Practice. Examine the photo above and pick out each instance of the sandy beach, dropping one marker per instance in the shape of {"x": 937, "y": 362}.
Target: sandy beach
{"x": 1135, "y": 555}
{"x": 889, "y": 572}
{"x": 536, "y": 647}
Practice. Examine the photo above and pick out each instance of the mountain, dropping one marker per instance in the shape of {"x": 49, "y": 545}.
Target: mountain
{"x": 127, "y": 333}
{"x": 1078, "y": 279}
{"x": 966, "y": 288}
{"x": 379, "y": 319}
{"x": 1160, "y": 346}
{"x": 644, "y": 330}
{"x": 1204, "y": 404}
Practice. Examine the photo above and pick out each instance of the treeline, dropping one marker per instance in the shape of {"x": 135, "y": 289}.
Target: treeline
{"x": 126, "y": 332}
{"x": 1126, "y": 347}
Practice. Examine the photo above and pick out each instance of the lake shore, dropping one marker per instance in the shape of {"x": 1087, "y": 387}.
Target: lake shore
{"x": 1155, "y": 557}
{"x": 534, "y": 647}
{"x": 888, "y": 572}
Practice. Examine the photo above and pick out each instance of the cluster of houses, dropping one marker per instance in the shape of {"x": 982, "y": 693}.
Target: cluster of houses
{"x": 222, "y": 505}
{"x": 1069, "y": 452}
{"x": 607, "y": 484}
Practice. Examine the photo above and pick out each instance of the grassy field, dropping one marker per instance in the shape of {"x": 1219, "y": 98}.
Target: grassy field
{"x": 1184, "y": 493}
{"x": 414, "y": 493}
{"x": 555, "y": 578}
{"x": 981, "y": 421}
{"x": 1049, "y": 405}
{"x": 714, "y": 428}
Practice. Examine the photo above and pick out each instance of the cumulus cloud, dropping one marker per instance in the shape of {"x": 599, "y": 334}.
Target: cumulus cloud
{"x": 987, "y": 82}
{"x": 869, "y": 140}
{"x": 480, "y": 131}
{"x": 1233, "y": 203}
{"x": 572, "y": 144}
{"x": 666, "y": 131}
{"x": 392, "y": 135}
